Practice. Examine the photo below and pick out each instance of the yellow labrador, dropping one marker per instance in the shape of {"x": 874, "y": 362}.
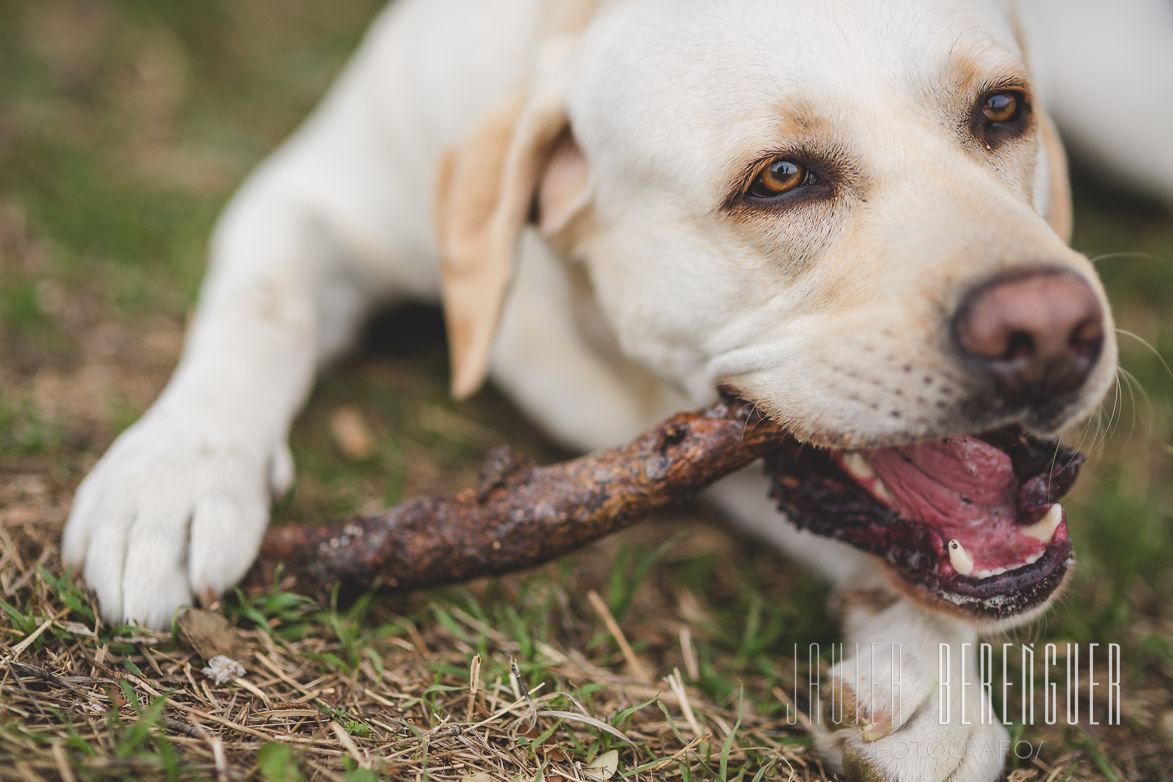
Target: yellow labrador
{"x": 853, "y": 212}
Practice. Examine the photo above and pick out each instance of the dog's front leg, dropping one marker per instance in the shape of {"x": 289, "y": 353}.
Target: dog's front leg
{"x": 897, "y": 688}
{"x": 179, "y": 503}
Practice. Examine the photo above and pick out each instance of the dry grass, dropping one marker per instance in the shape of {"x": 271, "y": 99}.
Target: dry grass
{"x": 379, "y": 684}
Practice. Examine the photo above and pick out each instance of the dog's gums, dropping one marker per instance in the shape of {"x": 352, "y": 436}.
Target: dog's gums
{"x": 974, "y": 521}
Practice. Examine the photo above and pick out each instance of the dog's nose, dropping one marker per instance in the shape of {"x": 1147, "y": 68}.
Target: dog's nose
{"x": 1037, "y": 334}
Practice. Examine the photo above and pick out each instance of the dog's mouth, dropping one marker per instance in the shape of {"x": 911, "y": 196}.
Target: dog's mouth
{"x": 973, "y": 520}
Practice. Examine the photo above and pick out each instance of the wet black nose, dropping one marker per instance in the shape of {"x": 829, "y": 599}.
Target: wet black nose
{"x": 1037, "y": 333}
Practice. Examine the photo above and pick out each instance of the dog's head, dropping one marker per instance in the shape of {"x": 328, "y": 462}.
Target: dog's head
{"x": 854, "y": 214}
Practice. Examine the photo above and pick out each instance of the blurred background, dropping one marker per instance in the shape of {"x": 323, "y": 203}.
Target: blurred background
{"x": 126, "y": 124}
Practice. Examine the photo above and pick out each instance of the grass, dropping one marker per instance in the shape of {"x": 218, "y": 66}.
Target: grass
{"x": 126, "y": 125}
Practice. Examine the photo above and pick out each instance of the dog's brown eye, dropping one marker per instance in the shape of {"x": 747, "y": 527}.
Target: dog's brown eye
{"x": 780, "y": 176}
{"x": 1001, "y": 116}
{"x": 1003, "y": 107}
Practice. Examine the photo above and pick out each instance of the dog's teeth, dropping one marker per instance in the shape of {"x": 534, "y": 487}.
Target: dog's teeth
{"x": 1033, "y": 558}
{"x": 980, "y": 574}
{"x": 1044, "y": 529}
{"x": 857, "y": 466}
{"x": 959, "y": 558}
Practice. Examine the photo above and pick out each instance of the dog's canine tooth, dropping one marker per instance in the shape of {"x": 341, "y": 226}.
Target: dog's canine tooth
{"x": 880, "y": 490}
{"x": 961, "y": 559}
{"x": 858, "y": 466}
{"x": 1044, "y": 529}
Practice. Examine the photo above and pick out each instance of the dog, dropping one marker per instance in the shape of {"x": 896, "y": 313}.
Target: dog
{"x": 852, "y": 213}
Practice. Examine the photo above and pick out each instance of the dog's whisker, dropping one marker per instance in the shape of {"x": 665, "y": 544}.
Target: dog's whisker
{"x": 1105, "y": 419}
{"x": 1149, "y": 346}
{"x": 1130, "y": 385}
{"x": 1104, "y": 428}
{"x": 1137, "y": 387}
{"x": 1129, "y": 402}
{"x": 1117, "y": 405}
{"x": 1128, "y": 254}
{"x": 1104, "y": 423}
{"x": 1094, "y": 429}
{"x": 753, "y": 419}
{"x": 1079, "y": 447}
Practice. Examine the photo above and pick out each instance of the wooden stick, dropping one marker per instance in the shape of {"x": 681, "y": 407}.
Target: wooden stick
{"x": 521, "y": 515}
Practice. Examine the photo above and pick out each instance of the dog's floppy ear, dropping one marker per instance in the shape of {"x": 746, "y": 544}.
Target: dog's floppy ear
{"x": 1058, "y": 188}
{"x": 486, "y": 194}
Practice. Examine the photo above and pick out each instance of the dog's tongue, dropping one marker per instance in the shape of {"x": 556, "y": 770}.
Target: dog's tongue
{"x": 959, "y": 481}
{"x": 966, "y": 489}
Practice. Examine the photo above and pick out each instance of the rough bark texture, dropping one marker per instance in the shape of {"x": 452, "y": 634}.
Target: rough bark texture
{"x": 521, "y": 515}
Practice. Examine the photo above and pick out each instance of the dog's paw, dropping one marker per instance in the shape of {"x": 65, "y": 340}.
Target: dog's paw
{"x": 920, "y": 744}
{"x": 174, "y": 509}
{"x": 892, "y": 715}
